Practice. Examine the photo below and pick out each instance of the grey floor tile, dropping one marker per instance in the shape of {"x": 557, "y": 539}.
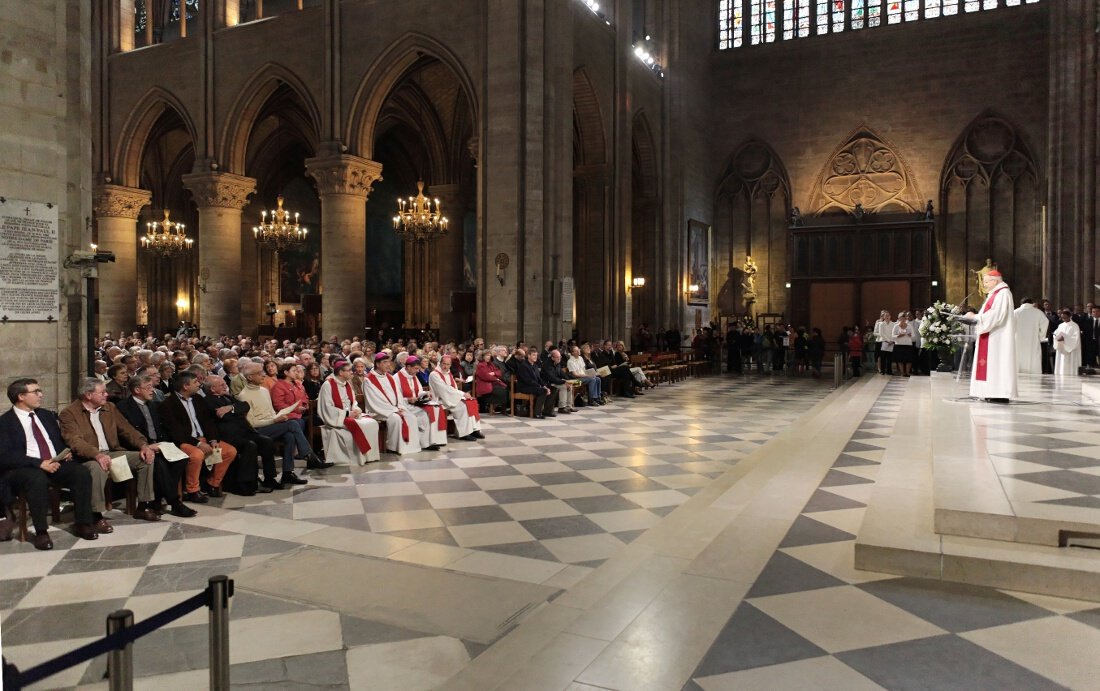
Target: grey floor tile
{"x": 441, "y": 486}
{"x": 1088, "y": 616}
{"x": 663, "y": 511}
{"x": 439, "y": 536}
{"x": 105, "y": 558}
{"x": 591, "y": 464}
{"x": 564, "y": 526}
{"x": 564, "y": 478}
{"x": 170, "y": 578}
{"x": 807, "y": 531}
{"x": 274, "y": 510}
{"x": 1056, "y": 459}
{"x": 326, "y": 670}
{"x": 639, "y": 484}
{"x": 855, "y": 446}
{"x": 1086, "y": 501}
{"x": 370, "y": 477}
{"x": 13, "y": 590}
{"x": 1040, "y": 441}
{"x": 628, "y": 536}
{"x": 837, "y": 478}
{"x": 1068, "y": 480}
{"x": 954, "y": 607}
{"x": 469, "y": 515}
{"x": 490, "y": 471}
{"x": 941, "y": 662}
{"x": 519, "y": 494}
{"x": 530, "y": 550}
{"x": 785, "y": 574}
{"x": 354, "y": 521}
{"x": 845, "y": 460}
{"x": 320, "y": 493}
{"x": 254, "y": 545}
{"x": 827, "y": 501}
{"x": 186, "y": 531}
{"x": 246, "y": 605}
{"x": 662, "y": 470}
{"x": 59, "y": 622}
{"x": 753, "y": 639}
{"x": 600, "y": 504}
{"x": 401, "y": 503}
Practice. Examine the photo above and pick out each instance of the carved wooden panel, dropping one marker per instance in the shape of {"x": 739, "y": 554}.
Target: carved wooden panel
{"x": 865, "y": 170}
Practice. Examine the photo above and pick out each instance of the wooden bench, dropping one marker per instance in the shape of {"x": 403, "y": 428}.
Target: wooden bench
{"x": 515, "y": 395}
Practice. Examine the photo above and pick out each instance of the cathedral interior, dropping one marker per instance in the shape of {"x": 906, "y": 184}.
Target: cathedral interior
{"x": 667, "y": 164}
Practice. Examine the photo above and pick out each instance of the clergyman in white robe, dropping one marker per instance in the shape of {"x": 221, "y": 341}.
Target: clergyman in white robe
{"x": 1067, "y": 348}
{"x": 994, "y": 371}
{"x": 347, "y": 435}
{"x": 384, "y": 402}
{"x": 459, "y": 404}
{"x": 1031, "y": 331}
{"x": 431, "y": 418}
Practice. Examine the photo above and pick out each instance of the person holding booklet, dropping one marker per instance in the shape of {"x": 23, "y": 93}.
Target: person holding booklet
{"x": 107, "y": 444}
{"x": 347, "y": 434}
{"x": 462, "y": 406}
{"x": 431, "y": 418}
{"x": 586, "y": 375}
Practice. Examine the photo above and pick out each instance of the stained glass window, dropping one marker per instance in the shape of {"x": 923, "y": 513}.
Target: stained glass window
{"x": 857, "y": 14}
{"x": 140, "y": 17}
{"x": 802, "y": 18}
{"x": 192, "y": 10}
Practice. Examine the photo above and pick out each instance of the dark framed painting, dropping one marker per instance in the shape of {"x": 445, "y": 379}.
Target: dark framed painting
{"x": 698, "y": 237}
{"x": 300, "y": 270}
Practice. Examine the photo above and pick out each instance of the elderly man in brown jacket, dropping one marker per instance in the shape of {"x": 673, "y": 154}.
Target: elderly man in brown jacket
{"x": 96, "y": 432}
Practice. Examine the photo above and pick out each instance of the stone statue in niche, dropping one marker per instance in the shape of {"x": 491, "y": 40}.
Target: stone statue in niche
{"x": 796, "y": 217}
{"x": 929, "y": 214}
{"x": 990, "y": 265}
{"x": 748, "y": 283}
{"x": 859, "y": 212}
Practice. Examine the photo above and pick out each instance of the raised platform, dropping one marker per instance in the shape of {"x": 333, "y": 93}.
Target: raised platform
{"x": 984, "y": 494}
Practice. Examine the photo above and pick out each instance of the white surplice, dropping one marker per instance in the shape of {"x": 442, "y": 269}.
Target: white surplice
{"x": 1031, "y": 331}
{"x": 994, "y": 371}
{"x": 448, "y": 392}
{"x": 336, "y": 439}
{"x": 384, "y": 402}
{"x": 432, "y": 429}
{"x": 1067, "y": 351}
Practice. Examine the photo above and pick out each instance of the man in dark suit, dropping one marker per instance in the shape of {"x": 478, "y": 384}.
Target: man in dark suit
{"x": 529, "y": 381}
{"x": 1090, "y": 335}
{"x": 556, "y": 379}
{"x": 192, "y": 427}
{"x": 95, "y": 430}
{"x": 30, "y": 437}
{"x": 141, "y": 410}
{"x": 233, "y": 424}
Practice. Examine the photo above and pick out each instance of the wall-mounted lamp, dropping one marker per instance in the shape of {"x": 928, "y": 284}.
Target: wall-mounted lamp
{"x": 788, "y": 285}
{"x": 637, "y": 282}
{"x": 204, "y": 276}
{"x": 935, "y": 284}
{"x": 182, "y": 304}
{"x": 693, "y": 288}
{"x": 502, "y": 264}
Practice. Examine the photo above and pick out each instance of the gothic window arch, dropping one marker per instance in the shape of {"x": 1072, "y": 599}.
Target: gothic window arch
{"x": 756, "y": 22}
{"x": 752, "y": 208}
{"x": 990, "y": 201}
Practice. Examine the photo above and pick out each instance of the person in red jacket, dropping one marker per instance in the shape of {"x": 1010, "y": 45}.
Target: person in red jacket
{"x": 489, "y": 386}
{"x": 855, "y": 350}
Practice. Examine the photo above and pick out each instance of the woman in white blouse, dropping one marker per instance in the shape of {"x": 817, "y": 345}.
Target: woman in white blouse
{"x": 902, "y": 335}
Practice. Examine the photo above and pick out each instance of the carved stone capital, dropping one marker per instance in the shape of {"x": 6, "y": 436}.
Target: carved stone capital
{"x": 119, "y": 201}
{"x": 219, "y": 189}
{"x": 343, "y": 174}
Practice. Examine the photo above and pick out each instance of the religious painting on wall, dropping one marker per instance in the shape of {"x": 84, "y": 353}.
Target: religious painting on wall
{"x": 698, "y": 262}
{"x": 300, "y": 270}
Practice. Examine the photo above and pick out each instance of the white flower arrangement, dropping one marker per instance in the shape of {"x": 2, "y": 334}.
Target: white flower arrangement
{"x": 936, "y": 330}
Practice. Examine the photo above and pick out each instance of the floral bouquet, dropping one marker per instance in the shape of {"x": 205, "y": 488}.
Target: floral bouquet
{"x": 937, "y": 330}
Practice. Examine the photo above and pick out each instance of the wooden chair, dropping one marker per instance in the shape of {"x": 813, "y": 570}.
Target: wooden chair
{"x": 530, "y": 398}
{"x": 22, "y": 511}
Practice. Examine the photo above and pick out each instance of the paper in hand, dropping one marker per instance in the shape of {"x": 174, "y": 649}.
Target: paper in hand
{"x": 171, "y": 452}
{"x": 287, "y": 410}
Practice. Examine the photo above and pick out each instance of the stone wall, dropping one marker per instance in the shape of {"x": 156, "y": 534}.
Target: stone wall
{"x": 917, "y": 85}
{"x": 45, "y": 156}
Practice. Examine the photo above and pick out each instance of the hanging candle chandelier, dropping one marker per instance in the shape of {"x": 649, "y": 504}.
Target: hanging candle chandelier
{"x": 279, "y": 232}
{"x": 416, "y": 218}
{"x": 166, "y": 237}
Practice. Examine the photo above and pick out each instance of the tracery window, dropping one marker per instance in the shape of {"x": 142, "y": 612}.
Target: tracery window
{"x": 755, "y": 22}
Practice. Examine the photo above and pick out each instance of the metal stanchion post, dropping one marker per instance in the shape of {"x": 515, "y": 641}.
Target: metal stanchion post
{"x": 220, "y": 589}
{"x": 120, "y": 661}
{"x": 838, "y": 370}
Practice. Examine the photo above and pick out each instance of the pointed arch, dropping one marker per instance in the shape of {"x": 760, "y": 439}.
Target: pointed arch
{"x": 590, "y": 140}
{"x": 990, "y": 200}
{"x": 866, "y": 170}
{"x": 246, "y": 109}
{"x": 752, "y": 207}
{"x": 137, "y": 128}
{"x": 400, "y": 58}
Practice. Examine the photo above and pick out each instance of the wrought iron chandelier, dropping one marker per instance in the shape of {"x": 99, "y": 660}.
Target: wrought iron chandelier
{"x": 279, "y": 232}
{"x": 166, "y": 237}
{"x": 416, "y": 219}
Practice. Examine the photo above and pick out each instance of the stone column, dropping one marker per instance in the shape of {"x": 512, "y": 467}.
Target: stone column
{"x": 116, "y": 209}
{"x": 446, "y": 258}
{"x": 343, "y": 185}
{"x": 220, "y": 198}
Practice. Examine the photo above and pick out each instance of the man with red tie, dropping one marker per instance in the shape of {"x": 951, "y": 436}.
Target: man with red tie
{"x": 30, "y": 441}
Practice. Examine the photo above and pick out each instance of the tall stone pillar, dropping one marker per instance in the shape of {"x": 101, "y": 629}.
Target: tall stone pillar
{"x": 343, "y": 184}
{"x": 446, "y": 257}
{"x": 220, "y": 198}
{"x": 250, "y": 268}
{"x": 116, "y": 209}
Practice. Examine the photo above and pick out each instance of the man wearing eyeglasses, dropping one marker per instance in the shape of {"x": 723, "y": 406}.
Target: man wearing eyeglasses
{"x": 30, "y": 441}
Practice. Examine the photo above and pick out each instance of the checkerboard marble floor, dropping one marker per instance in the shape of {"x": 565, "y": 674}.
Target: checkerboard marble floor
{"x": 811, "y": 621}
{"x": 539, "y": 501}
